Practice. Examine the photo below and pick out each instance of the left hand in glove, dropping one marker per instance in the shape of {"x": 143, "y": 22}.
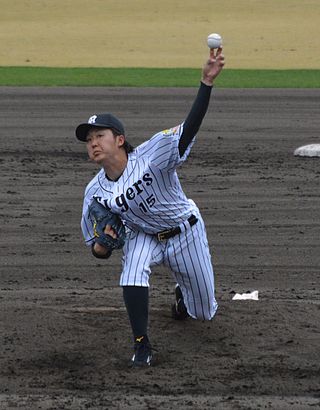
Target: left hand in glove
{"x": 108, "y": 228}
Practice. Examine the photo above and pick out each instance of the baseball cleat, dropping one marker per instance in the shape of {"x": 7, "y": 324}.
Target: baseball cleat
{"x": 179, "y": 310}
{"x": 142, "y": 356}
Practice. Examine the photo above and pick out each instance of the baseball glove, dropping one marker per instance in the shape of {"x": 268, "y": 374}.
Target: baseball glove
{"x": 101, "y": 217}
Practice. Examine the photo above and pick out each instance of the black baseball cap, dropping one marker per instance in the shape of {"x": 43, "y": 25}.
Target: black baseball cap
{"x": 99, "y": 120}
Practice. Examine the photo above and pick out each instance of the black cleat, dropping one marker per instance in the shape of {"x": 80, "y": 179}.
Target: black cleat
{"x": 179, "y": 310}
{"x": 142, "y": 356}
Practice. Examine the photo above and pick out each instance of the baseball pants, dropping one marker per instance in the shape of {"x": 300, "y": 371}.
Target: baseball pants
{"x": 188, "y": 257}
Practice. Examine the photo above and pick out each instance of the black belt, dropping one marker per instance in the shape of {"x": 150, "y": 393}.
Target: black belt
{"x": 169, "y": 233}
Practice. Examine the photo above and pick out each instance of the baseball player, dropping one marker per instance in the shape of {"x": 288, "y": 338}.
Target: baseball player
{"x": 163, "y": 226}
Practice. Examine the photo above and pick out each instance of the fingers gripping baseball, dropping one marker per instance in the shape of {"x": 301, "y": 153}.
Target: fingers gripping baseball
{"x": 213, "y": 66}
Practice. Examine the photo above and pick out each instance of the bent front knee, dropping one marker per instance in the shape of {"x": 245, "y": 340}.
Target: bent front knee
{"x": 205, "y": 314}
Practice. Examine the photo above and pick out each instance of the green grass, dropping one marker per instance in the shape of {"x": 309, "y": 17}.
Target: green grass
{"x": 155, "y": 77}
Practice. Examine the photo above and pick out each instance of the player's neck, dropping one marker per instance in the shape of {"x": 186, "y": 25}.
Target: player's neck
{"x": 114, "y": 169}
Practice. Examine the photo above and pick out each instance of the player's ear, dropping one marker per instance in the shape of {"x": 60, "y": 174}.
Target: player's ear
{"x": 121, "y": 140}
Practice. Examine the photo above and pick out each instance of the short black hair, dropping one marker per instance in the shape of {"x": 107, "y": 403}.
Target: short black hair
{"x": 126, "y": 145}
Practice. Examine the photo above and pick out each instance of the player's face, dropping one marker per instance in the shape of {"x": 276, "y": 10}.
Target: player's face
{"x": 102, "y": 145}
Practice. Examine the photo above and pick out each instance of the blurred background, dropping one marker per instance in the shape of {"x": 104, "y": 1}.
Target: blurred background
{"x": 152, "y": 33}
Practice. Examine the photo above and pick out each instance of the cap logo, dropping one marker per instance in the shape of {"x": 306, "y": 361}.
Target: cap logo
{"x": 92, "y": 119}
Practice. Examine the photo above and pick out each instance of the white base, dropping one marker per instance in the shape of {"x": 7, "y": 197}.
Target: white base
{"x": 312, "y": 150}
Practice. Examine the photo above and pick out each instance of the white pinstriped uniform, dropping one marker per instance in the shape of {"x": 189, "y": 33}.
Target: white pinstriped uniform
{"x": 149, "y": 198}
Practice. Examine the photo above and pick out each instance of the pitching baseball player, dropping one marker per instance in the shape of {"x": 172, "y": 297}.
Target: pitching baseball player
{"x": 163, "y": 226}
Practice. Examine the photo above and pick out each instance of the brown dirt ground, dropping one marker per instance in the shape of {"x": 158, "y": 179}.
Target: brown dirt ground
{"x": 149, "y": 33}
{"x": 64, "y": 335}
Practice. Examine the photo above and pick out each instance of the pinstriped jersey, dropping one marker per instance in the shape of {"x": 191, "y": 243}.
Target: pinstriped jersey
{"x": 148, "y": 195}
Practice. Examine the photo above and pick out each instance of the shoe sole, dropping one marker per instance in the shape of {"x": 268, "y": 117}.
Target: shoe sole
{"x": 174, "y": 310}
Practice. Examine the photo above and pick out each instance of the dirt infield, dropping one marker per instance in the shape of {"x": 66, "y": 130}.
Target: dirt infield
{"x": 65, "y": 339}
{"x": 149, "y": 33}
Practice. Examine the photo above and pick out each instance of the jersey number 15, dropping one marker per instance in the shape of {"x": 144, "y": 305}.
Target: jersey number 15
{"x": 148, "y": 203}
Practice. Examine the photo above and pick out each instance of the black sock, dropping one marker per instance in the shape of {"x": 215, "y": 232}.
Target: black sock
{"x": 136, "y": 299}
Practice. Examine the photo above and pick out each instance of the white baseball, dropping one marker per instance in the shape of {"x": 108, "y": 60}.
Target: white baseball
{"x": 214, "y": 40}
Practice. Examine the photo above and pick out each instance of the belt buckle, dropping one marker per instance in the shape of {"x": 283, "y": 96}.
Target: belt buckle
{"x": 161, "y": 235}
